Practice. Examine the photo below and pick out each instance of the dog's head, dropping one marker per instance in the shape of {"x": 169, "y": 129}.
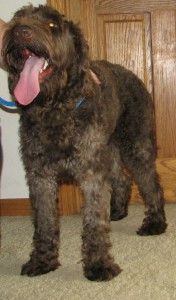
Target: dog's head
{"x": 43, "y": 53}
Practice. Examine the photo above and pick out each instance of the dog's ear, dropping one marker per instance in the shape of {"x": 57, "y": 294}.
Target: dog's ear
{"x": 81, "y": 46}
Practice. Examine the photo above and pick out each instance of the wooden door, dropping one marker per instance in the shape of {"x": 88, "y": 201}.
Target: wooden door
{"x": 140, "y": 35}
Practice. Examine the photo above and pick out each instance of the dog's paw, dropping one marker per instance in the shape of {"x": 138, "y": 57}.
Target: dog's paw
{"x": 36, "y": 268}
{"x": 102, "y": 273}
{"x": 116, "y": 215}
{"x": 150, "y": 227}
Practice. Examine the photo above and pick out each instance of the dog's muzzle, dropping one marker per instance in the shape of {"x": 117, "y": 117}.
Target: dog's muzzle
{"x": 22, "y": 32}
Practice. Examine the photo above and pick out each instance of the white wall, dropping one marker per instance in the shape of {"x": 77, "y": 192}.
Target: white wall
{"x": 13, "y": 183}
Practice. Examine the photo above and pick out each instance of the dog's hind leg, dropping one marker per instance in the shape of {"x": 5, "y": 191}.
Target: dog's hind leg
{"x": 121, "y": 187}
{"x": 152, "y": 193}
{"x": 121, "y": 191}
{"x": 140, "y": 160}
{"x": 44, "y": 257}
{"x": 98, "y": 264}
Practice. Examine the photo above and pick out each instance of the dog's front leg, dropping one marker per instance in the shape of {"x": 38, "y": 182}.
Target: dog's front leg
{"x": 97, "y": 263}
{"x": 44, "y": 257}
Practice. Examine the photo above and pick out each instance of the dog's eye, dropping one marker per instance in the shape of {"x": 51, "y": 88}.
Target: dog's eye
{"x": 53, "y": 25}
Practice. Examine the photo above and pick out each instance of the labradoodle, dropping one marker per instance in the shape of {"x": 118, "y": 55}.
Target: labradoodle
{"x": 82, "y": 120}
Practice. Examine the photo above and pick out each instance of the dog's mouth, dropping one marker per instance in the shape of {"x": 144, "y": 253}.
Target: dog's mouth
{"x": 35, "y": 70}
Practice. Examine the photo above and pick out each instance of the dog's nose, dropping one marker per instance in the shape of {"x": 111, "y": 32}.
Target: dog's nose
{"x": 22, "y": 31}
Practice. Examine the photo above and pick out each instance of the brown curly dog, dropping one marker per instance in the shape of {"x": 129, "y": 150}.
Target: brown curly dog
{"x": 80, "y": 120}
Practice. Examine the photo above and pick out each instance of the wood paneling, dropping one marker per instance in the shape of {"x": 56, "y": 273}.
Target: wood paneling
{"x": 133, "y": 6}
{"x": 70, "y": 199}
{"x": 88, "y": 16}
{"x": 15, "y": 207}
{"x": 130, "y": 32}
{"x": 164, "y": 70}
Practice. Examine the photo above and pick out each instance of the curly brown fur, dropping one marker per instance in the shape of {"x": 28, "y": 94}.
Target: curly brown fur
{"x": 111, "y": 130}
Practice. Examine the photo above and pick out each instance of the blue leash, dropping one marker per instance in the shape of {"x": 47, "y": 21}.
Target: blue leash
{"x": 7, "y": 103}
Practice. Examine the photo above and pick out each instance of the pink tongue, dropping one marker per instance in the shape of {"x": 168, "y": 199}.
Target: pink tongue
{"x": 28, "y": 85}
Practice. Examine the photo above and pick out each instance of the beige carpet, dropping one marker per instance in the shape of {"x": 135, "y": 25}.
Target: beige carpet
{"x": 148, "y": 263}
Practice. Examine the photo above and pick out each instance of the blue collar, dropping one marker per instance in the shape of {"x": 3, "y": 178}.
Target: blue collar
{"x": 78, "y": 104}
{"x": 13, "y": 104}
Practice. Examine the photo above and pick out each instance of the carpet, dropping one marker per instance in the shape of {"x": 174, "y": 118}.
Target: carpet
{"x": 148, "y": 263}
